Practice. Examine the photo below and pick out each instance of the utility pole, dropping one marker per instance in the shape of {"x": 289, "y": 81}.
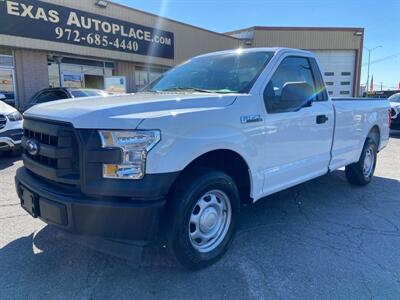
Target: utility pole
{"x": 369, "y": 63}
{"x": 381, "y": 86}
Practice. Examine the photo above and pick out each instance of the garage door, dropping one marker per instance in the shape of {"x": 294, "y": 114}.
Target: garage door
{"x": 338, "y": 70}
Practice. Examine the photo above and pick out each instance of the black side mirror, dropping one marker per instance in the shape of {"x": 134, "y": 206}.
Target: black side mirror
{"x": 297, "y": 94}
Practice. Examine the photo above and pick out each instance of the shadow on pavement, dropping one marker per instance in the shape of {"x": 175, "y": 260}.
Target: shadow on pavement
{"x": 395, "y": 134}
{"x": 323, "y": 230}
{"x": 7, "y": 161}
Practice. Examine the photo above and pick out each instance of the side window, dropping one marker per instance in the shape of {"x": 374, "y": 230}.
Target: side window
{"x": 292, "y": 86}
{"x": 41, "y": 98}
{"x": 51, "y": 96}
{"x": 321, "y": 93}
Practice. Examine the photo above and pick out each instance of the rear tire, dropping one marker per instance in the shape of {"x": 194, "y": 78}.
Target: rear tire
{"x": 203, "y": 216}
{"x": 361, "y": 172}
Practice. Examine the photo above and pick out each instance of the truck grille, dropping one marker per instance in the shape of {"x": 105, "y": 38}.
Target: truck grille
{"x": 3, "y": 121}
{"x": 57, "y": 155}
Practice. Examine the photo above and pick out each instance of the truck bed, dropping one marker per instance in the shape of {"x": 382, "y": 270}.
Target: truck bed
{"x": 353, "y": 117}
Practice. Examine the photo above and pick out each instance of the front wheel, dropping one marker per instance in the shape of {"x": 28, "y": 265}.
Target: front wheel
{"x": 361, "y": 172}
{"x": 203, "y": 217}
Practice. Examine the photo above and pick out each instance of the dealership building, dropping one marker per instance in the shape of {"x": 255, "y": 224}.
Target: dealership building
{"x": 83, "y": 43}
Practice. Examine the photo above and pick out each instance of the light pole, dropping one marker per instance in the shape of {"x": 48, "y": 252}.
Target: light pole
{"x": 369, "y": 63}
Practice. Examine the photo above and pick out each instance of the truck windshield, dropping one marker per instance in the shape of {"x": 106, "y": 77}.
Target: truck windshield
{"x": 234, "y": 72}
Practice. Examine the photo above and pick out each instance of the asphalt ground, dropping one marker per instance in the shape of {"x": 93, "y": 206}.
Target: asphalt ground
{"x": 323, "y": 239}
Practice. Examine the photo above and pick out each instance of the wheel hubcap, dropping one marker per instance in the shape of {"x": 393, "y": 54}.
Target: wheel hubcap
{"x": 369, "y": 161}
{"x": 209, "y": 221}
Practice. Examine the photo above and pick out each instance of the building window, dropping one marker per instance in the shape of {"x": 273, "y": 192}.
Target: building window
{"x": 330, "y": 93}
{"x": 143, "y": 76}
{"x": 329, "y": 74}
{"x": 329, "y": 83}
{"x": 7, "y": 75}
{"x": 344, "y": 93}
{"x": 346, "y": 73}
{"x": 6, "y": 61}
{"x": 54, "y": 76}
{"x": 345, "y": 83}
{"x": 78, "y": 73}
{"x": 154, "y": 74}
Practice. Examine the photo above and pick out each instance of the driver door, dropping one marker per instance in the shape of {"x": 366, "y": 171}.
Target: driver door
{"x": 299, "y": 125}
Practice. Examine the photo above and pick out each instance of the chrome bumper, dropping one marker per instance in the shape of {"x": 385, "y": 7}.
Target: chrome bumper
{"x": 7, "y": 143}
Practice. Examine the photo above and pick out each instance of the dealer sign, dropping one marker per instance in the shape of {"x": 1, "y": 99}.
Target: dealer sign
{"x": 45, "y": 21}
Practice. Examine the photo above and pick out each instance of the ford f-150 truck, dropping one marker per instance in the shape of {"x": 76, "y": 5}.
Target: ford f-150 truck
{"x": 176, "y": 161}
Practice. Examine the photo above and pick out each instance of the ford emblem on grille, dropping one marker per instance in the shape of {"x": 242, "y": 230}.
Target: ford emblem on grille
{"x": 32, "y": 147}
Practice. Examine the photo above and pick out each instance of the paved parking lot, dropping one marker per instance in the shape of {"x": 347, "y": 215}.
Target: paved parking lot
{"x": 321, "y": 240}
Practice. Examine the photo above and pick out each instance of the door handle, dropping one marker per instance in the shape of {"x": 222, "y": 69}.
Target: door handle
{"x": 322, "y": 119}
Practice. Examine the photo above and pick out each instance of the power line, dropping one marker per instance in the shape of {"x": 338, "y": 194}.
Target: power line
{"x": 393, "y": 56}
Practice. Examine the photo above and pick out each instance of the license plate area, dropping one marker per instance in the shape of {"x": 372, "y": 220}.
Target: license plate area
{"x": 29, "y": 202}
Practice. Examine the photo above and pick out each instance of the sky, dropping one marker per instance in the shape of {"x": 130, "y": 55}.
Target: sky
{"x": 380, "y": 19}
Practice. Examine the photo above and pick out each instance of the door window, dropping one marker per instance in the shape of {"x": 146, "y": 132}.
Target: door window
{"x": 291, "y": 86}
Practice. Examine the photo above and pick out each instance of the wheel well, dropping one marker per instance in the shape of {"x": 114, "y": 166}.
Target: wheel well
{"x": 226, "y": 161}
{"x": 375, "y": 134}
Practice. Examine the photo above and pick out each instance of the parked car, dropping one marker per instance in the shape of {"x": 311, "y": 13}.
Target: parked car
{"x": 394, "y": 101}
{"x": 8, "y": 98}
{"x": 52, "y": 94}
{"x": 10, "y": 129}
{"x": 179, "y": 159}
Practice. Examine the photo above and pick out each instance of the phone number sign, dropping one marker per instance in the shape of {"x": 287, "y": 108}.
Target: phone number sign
{"x": 50, "y": 22}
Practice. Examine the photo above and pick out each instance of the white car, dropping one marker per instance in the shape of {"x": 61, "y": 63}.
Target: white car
{"x": 394, "y": 101}
{"x": 179, "y": 159}
{"x": 10, "y": 129}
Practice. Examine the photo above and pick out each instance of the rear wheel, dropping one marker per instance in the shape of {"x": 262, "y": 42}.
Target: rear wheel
{"x": 361, "y": 172}
{"x": 203, "y": 218}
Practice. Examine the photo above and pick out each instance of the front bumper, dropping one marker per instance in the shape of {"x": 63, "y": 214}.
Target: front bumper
{"x": 104, "y": 217}
{"x": 10, "y": 139}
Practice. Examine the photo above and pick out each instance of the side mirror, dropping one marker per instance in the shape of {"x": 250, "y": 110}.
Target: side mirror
{"x": 3, "y": 97}
{"x": 297, "y": 94}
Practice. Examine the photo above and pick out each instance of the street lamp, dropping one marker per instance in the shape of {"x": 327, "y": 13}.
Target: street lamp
{"x": 369, "y": 63}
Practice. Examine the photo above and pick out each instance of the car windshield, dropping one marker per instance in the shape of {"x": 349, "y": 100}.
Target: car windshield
{"x": 395, "y": 98}
{"x": 88, "y": 93}
{"x": 220, "y": 73}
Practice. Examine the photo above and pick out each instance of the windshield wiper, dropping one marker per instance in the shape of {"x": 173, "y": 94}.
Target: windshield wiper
{"x": 186, "y": 89}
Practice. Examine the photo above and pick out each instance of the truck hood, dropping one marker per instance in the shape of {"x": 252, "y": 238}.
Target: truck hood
{"x": 125, "y": 111}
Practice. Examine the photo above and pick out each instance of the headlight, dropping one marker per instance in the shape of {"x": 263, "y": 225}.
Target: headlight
{"x": 14, "y": 116}
{"x": 134, "y": 145}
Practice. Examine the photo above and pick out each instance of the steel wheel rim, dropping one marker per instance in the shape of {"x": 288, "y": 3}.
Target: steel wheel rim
{"x": 369, "y": 161}
{"x": 209, "y": 221}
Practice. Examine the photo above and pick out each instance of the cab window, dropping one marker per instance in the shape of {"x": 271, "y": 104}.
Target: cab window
{"x": 291, "y": 87}
{"x": 47, "y": 96}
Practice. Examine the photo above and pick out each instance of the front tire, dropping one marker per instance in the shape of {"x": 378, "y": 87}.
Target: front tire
{"x": 361, "y": 172}
{"x": 203, "y": 217}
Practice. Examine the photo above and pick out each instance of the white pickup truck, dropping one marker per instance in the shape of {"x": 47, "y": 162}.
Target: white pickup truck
{"x": 178, "y": 159}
